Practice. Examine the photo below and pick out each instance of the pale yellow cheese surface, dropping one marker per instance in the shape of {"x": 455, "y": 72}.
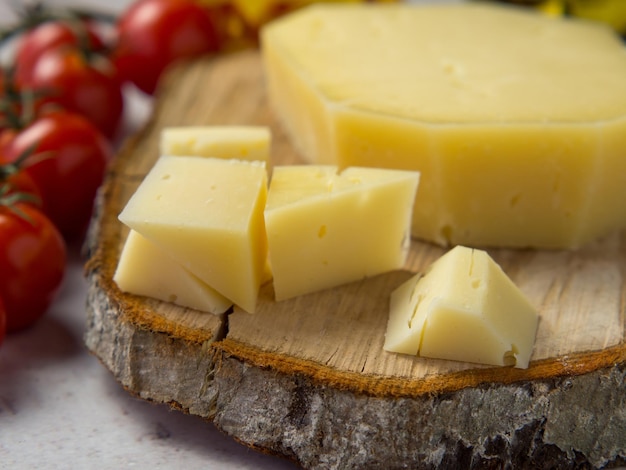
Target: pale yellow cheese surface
{"x": 464, "y": 308}
{"x": 207, "y": 214}
{"x": 241, "y": 142}
{"x": 145, "y": 269}
{"x": 326, "y": 228}
{"x": 516, "y": 121}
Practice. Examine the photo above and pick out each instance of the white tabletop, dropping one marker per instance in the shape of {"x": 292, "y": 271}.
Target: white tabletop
{"x": 61, "y": 409}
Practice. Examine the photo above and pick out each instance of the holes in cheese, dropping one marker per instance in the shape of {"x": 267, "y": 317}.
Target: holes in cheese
{"x": 464, "y": 308}
{"x": 207, "y": 214}
{"x": 145, "y": 269}
{"x": 326, "y": 228}
{"x": 516, "y": 121}
{"x": 241, "y": 142}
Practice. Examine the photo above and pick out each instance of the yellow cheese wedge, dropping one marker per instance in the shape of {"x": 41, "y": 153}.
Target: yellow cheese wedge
{"x": 464, "y": 308}
{"x": 207, "y": 214}
{"x": 516, "y": 121}
{"x": 326, "y": 228}
{"x": 145, "y": 269}
{"x": 242, "y": 142}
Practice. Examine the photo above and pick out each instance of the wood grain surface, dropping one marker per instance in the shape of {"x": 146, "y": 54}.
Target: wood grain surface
{"x": 334, "y": 338}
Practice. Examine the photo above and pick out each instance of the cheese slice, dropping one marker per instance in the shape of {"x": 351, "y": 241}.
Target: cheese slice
{"x": 516, "y": 121}
{"x": 207, "y": 214}
{"x": 326, "y": 228}
{"x": 145, "y": 269}
{"x": 241, "y": 142}
{"x": 464, "y": 308}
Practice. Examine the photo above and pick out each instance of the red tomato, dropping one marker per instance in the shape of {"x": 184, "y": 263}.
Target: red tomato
{"x": 32, "y": 264}
{"x": 85, "y": 85}
{"x": 12, "y": 178}
{"x": 11, "y": 100}
{"x": 154, "y": 33}
{"x": 68, "y": 166}
{"x": 51, "y": 35}
{"x": 18, "y": 181}
{"x": 6, "y": 136}
{"x": 3, "y": 321}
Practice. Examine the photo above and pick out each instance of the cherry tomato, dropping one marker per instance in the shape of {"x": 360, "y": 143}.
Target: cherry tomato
{"x": 152, "y": 34}
{"x": 3, "y": 321}
{"x": 19, "y": 181}
{"x": 10, "y": 99}
{"x": 12, "y": 178}
{"x": 51, "y": 35}
{"x": 32, "y": 264}
{"x": 68, "y": 166}
{"x": 79, "y": 82}
{"x": 6, "y": 136}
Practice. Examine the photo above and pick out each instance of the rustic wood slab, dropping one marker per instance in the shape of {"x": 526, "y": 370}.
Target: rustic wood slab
{"x": 307, "y": 378}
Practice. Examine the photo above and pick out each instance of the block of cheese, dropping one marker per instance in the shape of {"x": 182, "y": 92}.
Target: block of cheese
{"x": 145, "y": 269}
{"x": 326, "y": 228}
{"x": 239, "y": 142}
{"x": 242, "y": 142}
{"x": 464, "y": 308}
{"x": 207, "y": 214}
{"x": 516, "y": 121}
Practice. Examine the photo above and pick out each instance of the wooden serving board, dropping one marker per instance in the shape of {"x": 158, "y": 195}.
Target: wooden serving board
{"x": 308, "y": 379}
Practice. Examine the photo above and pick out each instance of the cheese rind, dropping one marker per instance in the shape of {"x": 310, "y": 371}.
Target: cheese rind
{"x": 145, "y": 269}
{"x": 464, "y": 308}
{"x": 326, "y": 228}
{"x": 241, "y": 142}
{"x": 207, "y": 214}
{"x": 516, "y": 147}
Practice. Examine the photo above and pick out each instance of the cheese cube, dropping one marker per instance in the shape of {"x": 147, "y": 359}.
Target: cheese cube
{"x": 464, "y": 308}
{"x": 326, "y": 228}
{"x": 242, "y": 142}
{"x": 207, "y": 214}
{"x": 145, "y": 269}
{"x": 516, "y": 145}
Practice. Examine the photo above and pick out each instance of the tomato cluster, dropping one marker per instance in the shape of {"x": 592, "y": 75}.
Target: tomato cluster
{"x": 61, "y": 105}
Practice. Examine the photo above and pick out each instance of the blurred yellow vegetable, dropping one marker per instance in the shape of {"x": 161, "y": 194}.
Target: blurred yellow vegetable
{"x": 239, "y": 21}
{"x": 611, "y": 12}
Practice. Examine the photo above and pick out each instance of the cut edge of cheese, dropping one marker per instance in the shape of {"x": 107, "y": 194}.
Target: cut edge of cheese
{"x": 464, "y": 308}
{"x": 239, "y": 142}
{"x": 228, "y": 251}
{"x": 325, "y": 229}
{"x": 145, "y": 269}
